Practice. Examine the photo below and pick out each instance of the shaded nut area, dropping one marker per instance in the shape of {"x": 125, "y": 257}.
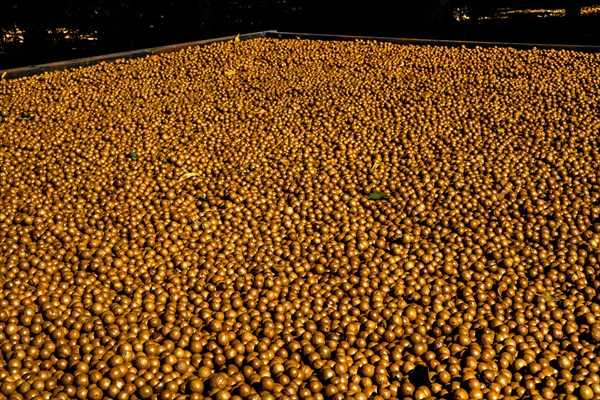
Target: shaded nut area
{"x": 291, "y": 219}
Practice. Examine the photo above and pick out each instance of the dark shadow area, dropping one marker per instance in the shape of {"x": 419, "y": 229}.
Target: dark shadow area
{"x": 36, "y": 31}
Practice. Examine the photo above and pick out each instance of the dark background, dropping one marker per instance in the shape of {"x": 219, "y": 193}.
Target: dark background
{"x": 40, "y": 31}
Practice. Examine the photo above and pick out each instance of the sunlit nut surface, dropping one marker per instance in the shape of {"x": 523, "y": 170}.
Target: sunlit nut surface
{"x": 287, "y": 219}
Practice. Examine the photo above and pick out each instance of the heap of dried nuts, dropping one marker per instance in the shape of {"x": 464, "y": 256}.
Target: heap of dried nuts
{"x": 291, "y": 219}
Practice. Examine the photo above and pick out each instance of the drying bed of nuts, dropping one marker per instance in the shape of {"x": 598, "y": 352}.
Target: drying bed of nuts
{"x": 293, "y": 219}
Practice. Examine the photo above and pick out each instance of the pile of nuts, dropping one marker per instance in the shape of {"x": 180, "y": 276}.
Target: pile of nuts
{"x": 295, "y": 219}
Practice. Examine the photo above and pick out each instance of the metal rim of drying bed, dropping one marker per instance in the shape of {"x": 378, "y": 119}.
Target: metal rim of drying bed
{"x": 88, "y": 61}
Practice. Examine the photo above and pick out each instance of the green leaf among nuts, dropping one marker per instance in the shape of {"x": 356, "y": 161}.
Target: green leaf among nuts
{"x": 547, "y": 296}
{"x": 377, "y": 195}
